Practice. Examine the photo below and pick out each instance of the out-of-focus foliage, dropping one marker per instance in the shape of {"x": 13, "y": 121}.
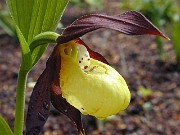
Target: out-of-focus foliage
{"x": 92, "y": 3}
{"x": 144, "y": 91}
{"x": 176, "y": 39}
{"x": 162, "y": 13}
{"x": 6, "y": 22}
{"x": 95, "y": 3}
{"x": 158, "y": 11}
{"x": 175, "y": 30}
{"x": 77, "y": 2}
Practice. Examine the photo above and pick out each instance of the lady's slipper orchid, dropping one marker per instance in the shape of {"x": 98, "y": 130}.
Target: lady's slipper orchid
{"x": 77, "y": 79}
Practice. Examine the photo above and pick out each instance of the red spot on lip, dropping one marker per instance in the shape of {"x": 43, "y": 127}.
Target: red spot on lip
{"x": 92, "y": 54}
{"x": 88, "y": 58}
{"x": 85, "y": 67}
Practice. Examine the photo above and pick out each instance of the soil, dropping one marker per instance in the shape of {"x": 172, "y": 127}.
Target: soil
{"x": 135, "y": 58}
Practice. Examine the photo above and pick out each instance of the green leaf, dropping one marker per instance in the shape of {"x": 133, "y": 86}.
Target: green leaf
{"x": 6, "y": 23}
{"x": 4, "y": 127}
{"x": 26, "y": 63}
{"x": 33, "y": 17}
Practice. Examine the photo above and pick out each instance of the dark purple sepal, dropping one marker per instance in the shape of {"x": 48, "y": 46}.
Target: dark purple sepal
{"x": 130, "y": 23}
{"x": 39, "y": 105}
{"x": 64, "y": 107}
{"x": 46, "y": 90}
{"x": 57, "y": 100}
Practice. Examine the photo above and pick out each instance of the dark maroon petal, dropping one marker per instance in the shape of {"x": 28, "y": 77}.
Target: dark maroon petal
{"x": 93, "y": 54}
{"x": 46, "y": 90}
{"x": 56, "y": 95}
{"x": 130, "y": 23}
{"x": 64, "y": 107}
{"x": 39, "y": 105}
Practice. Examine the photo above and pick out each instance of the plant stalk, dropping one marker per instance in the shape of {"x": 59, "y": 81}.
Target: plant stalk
{"x": 20, "y": 102}
{"x": 160, "y": 47}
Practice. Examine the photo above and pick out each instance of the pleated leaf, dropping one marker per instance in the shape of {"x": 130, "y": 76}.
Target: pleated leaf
{"x": 33, "y": 17}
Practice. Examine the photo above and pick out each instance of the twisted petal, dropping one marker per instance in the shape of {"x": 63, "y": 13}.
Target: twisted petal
{"x": 130, "y": 23}
{"x": 39, "y": 105}
{"x": 45, "y": 91}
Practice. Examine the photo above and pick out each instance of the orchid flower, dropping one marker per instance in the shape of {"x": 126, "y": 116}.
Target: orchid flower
{"x": 78, "y": 80}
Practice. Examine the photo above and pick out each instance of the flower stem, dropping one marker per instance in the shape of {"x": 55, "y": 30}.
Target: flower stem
{"x": 160, "y": 47}
{"x": 20, "y": 101}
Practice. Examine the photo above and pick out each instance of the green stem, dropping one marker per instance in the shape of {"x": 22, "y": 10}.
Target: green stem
{"x": 20, "y": 101}
{"x": 160, "y": 47}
